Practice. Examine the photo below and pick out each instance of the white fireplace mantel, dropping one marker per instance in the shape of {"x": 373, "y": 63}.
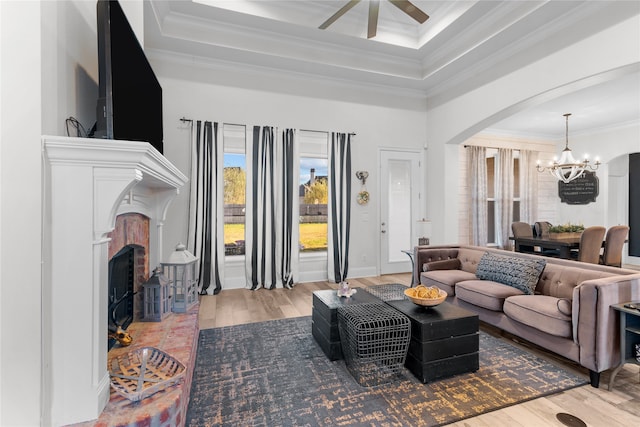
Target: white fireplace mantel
{"x": 88, "y": 182}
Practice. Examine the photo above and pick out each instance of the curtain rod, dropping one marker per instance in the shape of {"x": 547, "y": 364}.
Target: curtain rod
{"x": 184, "y": 119}
{"x": 493, "y": 148}
{"x": 322, "y": 131}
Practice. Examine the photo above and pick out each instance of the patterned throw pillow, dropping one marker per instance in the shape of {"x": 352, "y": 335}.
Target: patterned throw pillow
{"x": 520, "y": 273}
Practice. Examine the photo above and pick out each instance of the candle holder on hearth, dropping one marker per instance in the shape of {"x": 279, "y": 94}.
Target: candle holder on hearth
{"x": 156, "y": 298}
{"x": 180, "y": 270}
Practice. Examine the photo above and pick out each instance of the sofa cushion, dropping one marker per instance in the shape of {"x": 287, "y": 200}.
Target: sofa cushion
{"x": 445, "y": 264}
{"x": 521, "y": 273}
{"x": 485, "y": 293}
{"x": 539, "y": 312}
{"x": 445, "y": 279}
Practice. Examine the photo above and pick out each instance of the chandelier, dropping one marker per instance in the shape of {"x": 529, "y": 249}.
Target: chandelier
{"x": 566, "y": 169}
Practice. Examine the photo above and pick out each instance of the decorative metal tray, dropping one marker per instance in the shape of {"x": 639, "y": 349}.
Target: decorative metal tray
{"x": 143, "y": 372}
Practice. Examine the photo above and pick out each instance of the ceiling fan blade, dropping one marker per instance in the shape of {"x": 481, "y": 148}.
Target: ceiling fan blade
{"x": 411, "y": 10}
{"x": 374, "y": 8}
{"x": 344, "y": 9}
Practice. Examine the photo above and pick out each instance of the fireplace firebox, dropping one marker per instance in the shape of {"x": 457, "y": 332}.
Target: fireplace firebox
{"x": 121, "y": 289}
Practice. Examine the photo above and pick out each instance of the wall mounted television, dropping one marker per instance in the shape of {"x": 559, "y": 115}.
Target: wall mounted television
{"x": 129, "y": 94}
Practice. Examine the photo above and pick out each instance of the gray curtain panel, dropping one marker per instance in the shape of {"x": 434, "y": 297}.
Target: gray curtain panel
{"x": 272, "y": 206}
{"x": 262, "y": 244}
{"x": 289, "y": 203}
{"x": 504, "y": 196}
{"x": 206, "y": 218}
{"x": 477, "y": 166}
{"x": 339, "y": 220}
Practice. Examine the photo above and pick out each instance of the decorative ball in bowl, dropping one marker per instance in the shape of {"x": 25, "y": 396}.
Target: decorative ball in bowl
{"x": 426, "y": 296}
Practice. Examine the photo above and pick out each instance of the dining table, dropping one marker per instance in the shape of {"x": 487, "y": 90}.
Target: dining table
{"x": 563, "y": 245}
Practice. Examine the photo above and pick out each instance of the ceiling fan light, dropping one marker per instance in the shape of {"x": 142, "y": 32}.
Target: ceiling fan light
{"x": 372, "y": 25}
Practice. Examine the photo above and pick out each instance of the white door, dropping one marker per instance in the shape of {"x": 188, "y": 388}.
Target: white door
{"x": 400, "y": 189}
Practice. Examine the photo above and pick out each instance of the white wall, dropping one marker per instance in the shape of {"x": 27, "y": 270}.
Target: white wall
{"x": 20, "y": 208}
{"x": 48, "y": 57}
{"x": 457, "y": 120}
{"x": 70, "y": 64}
{"x": 191, "y": 90}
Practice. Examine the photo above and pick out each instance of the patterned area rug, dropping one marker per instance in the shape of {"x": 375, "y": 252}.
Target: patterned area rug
{"x": 274, "y": 374}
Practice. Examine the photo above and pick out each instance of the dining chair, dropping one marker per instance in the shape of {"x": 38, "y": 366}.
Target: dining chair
{"x": 522, "y": 229}
{"x": 591, "y": 244}
{"x": 613, "y": 243}
{"x": 542, "y": 228}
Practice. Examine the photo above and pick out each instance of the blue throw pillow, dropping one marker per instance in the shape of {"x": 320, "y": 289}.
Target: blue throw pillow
{"x": 520, "y": 273}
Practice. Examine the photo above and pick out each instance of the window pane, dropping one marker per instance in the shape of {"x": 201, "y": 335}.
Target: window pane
{"x": 399, "y": 208}
{"x": 516, "y": 178}
{"x": 313, "y": 193}
{"x": 235, "y": 179}
{"x": 491, "y": 168}
{"x": 491, "y": 221}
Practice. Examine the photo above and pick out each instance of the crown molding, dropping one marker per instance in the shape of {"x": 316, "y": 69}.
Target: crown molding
{"x": 229, "y": 73}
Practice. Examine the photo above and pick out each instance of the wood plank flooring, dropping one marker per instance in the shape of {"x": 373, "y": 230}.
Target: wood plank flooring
{"x": 595, "y": 406}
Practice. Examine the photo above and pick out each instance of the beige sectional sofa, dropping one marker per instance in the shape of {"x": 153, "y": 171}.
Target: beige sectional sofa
{"x": 560, "y": 305}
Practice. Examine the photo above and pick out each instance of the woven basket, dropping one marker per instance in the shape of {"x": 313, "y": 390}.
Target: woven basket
{"x": 143, "y": 372}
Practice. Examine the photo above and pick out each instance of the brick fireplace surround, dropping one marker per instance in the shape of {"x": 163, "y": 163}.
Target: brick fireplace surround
{"x": 88, "y": 183}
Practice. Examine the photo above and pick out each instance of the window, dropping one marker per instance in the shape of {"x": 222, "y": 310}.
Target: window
{"x": 491, "y": 191}
{"x": 313, "y": 191}
{"x": 235, "y": 178}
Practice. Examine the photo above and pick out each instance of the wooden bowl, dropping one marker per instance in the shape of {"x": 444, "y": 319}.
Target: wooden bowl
{"x": 427, "y": 302}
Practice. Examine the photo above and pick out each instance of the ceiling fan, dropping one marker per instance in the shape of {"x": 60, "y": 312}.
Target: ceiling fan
{"x": 374, "y": 7}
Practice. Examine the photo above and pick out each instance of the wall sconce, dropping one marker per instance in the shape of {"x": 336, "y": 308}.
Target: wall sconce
{"x": 362, "y": 176}
{"x": 363, "y": 195}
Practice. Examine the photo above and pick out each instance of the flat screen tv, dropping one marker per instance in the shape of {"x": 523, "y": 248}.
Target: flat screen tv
{"x": 129, "y": 94}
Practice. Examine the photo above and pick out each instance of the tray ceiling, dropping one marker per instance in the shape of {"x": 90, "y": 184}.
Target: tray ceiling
{"x": 463, "y": 44}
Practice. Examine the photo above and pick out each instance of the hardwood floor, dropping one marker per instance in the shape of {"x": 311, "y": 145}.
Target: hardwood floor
{"x": 595, "y": 406}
